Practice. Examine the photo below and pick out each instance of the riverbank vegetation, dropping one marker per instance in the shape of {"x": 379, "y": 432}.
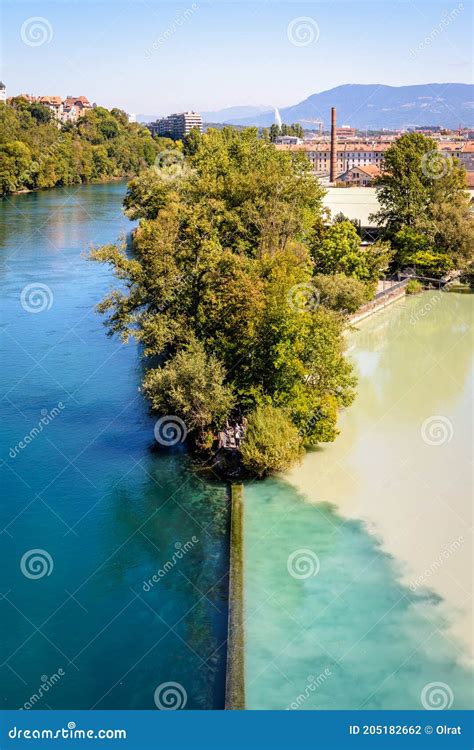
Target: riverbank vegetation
{"x": 424, "y": 207}
{"x": 35, "y": 152}
{"x": 222, "y": 292}
{"x": 239, "y": 286}
{"x": 414, "y": 287}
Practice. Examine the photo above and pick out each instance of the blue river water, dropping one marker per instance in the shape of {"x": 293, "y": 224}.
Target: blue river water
{"x": 83, "y": 483}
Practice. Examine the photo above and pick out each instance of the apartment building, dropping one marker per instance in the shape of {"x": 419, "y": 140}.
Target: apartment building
{"x": 69, "y": 109}
{"x": 177, "y": 125}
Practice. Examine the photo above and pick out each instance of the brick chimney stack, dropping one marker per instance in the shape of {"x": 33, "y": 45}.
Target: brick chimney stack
{"x": 333, "y": 159}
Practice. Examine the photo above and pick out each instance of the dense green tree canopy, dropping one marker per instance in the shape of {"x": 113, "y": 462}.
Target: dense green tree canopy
{"x": 424, "y": 206}
{"x": 274, "y": 131}
{"x": 223, "y": 257}
{"x": 35, "y": 152}
{"x": 339, "y": 251}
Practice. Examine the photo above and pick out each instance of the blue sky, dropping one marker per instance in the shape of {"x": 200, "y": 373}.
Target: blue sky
{"x": 154, "y": 56}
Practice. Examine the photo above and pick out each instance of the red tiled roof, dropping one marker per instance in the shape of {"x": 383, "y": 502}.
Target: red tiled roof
{"x": 371, "y": 170}
{"x": 56, "y": 101}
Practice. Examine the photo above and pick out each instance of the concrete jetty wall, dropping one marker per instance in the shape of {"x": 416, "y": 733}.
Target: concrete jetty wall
{"x": 235, "y": 687}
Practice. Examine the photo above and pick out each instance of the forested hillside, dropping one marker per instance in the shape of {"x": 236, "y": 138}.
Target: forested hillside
{"x": 37, "y": 153}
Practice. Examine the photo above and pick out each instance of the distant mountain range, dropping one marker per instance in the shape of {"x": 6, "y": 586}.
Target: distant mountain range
{"x": 371, "y": 106}
{"x": 231, "y": 114}
{"x": 221, "y": 115}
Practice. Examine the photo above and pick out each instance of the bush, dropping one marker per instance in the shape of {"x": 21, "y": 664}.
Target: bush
{"x": 191, "y": 386}
{"x": 414, "y": 287}
{"x": 467, "y": 275}
{"x": 271, "y": 443}
{"x": 341, "y": 292}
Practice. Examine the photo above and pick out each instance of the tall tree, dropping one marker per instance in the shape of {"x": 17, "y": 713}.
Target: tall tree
{"x": 423, "y": 191}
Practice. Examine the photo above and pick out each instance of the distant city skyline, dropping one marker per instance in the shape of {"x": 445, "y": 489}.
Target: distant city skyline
{"x": 160, "y": 57}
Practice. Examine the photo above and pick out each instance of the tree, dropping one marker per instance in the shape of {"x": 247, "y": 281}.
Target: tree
{"x": 120, "y": 115}
{"x": 192, "y": 142}
{"x": 403, "y": 188}
{"x": 453, "y": 227}
{"x": 16, "y": 165}
{"x": 191, "y": 386}
{"x": 40, "y": 113}
{"x": 274, "y": 132}
{"x": 340, "y": 251}
{"x": 271, "y": 443}
{"x": 146, "y": 195}
{"x": 296, "y": 129}
{"x": 422, "y": 191}
{"x": 414, "y": 251}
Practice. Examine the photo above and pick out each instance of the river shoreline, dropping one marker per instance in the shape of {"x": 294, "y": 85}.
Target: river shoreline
{"x": 26, "y": 191}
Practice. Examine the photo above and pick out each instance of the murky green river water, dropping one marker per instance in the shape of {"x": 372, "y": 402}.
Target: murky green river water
{"x": 358, "y": 564}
